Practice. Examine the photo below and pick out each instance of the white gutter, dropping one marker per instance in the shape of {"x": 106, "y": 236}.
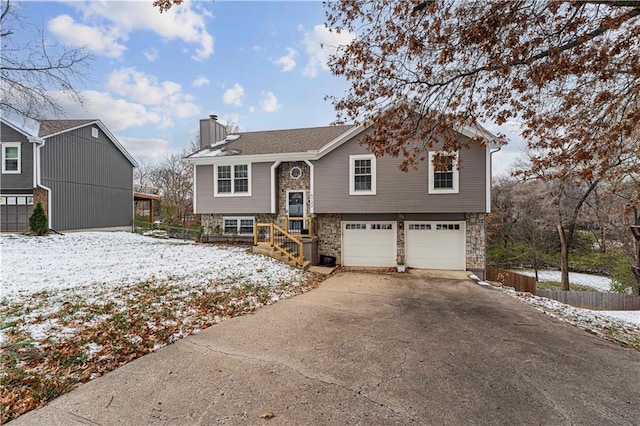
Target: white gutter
{"x": 274, "y": 166}
{"x": 39, "y": 181}
{"x": 311, "y": 187}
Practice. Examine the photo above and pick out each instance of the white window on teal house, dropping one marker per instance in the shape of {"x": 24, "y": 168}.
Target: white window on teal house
{"x": 11, "y": 163}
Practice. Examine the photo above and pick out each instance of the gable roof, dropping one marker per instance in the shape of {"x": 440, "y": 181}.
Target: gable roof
{"x": 297, "y": 144}
{"x": 29, "y": 133}
{"x": 274, "y": 141}
{"x": 50, "y": 128}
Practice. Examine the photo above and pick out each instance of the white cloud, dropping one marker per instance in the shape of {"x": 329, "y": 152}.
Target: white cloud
{"x": 96, "y": 39}
{"x": 233, "y": 95}
{"x": 287, "y": 61}
{"x": 152, "y": 148}
{"x": 270, "y": 102}
{"x": 116, "y": 114}
{"x": 201, "y": 81}
{"x": 151, "y": 55}
{"x": 231, "y": 118}
{"x": 146, "y": 89}
{"x": 252, "y": 109}
{"x": 319, "y": 44}
{"x": 186, "y": 23}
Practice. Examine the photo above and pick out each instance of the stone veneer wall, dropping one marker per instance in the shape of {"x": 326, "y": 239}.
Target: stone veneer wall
{"x": 400, "y": 251}
{"x": 212, "y": 223}
{"x": 330, "y": 235}
{"x": 41, "y": 196}
{"x": 476, "y": 239}
{"x": 286, "y": 182}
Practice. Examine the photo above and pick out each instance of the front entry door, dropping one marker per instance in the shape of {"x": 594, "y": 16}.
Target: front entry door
{"x": 296, "y": 207}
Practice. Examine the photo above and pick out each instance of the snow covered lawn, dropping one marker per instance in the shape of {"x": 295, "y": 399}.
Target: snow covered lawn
{"x": 621, "y": 327}
{"x": 595, "y": 282}
{"x": 75, "y": 306}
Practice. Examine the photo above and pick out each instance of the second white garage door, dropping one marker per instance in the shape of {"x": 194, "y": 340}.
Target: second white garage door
{"x": 435, "y": 245}
{"x": 369, "y": 243}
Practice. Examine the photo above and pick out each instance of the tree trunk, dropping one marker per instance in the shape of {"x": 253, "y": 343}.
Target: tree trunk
{"x": 564, "y": 260}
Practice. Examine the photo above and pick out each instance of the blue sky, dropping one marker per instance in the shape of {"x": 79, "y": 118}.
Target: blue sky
{"x": 260, "y": 64}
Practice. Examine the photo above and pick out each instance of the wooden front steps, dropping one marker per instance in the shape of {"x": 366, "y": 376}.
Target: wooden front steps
{"x": 271, "y": 252}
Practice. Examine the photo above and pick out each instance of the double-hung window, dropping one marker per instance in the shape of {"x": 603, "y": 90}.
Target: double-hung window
{"x": 11, "y": 163}
{"x": 362, "y": 174}
{"x": 443, "y": 173}
{"x": 232, "y": 180}
{"x": 238, "y": 225}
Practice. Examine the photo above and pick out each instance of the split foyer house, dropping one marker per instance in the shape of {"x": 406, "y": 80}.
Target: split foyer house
{"x": 322, "y": 184}
{"x": 77, "y": 169}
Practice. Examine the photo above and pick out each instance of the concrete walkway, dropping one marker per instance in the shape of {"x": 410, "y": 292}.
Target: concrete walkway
{"x": 421, "y": 348}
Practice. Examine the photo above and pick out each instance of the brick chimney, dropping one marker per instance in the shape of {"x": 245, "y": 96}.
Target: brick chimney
{"x": 211, "y": 131}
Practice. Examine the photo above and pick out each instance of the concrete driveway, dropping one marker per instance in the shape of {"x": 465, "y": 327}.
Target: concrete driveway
{"x": 422, "y": 348}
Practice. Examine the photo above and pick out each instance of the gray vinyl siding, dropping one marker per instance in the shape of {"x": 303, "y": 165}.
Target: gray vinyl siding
{"x": 258, "y": 202}
{"x": 23, "y": 182}
{"x": 91, "y": 181}
{"x": 397, "y": 191}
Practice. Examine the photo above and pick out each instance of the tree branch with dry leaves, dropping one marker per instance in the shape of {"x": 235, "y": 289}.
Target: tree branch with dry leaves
{"x": 568, "y": 71}
{"x": 33, "y": 73}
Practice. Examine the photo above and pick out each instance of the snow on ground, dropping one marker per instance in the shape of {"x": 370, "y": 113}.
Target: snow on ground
{"x": 42, "y": 276}
{"x": 623, "y": 327}
{"x": 596, "y": 282}
{"x": 33, "y": 264}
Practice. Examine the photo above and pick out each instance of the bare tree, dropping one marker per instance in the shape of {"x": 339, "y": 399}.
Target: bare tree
{"x": 174, "y": 177}
{"x": 31, "y": 71}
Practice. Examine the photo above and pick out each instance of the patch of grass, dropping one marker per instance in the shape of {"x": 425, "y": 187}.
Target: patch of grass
{"x": 126, "y": 322}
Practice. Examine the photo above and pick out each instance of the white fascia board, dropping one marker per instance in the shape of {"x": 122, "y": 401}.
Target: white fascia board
{"x": 257, "y": 158}
{"x": 349, "y": 134}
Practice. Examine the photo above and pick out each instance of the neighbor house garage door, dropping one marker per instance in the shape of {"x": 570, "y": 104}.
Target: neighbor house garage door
{"x": 14, "y": 212}
{"x": 435, "y": 245}
{"x": 369, "y": 243}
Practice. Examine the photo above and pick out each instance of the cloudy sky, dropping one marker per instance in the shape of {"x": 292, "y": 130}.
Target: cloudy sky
{"x": 260, "y": 64}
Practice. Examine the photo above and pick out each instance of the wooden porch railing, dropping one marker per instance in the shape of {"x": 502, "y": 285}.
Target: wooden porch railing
{"x": 307, "y": 226}
{"x": 270, "y": 234}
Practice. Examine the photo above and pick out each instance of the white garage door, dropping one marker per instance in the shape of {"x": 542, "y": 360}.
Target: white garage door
{"x": 369, "y": 243}
{"x": 435, "y": 245}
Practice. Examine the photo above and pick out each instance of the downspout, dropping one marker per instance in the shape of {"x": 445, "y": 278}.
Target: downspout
{"x": 274, "y": 166}
{"x": 39, "y": 178}
{"x": 490, "y": 177}
{"x": 195, "y": 204}
{"x": 311, "y": 188}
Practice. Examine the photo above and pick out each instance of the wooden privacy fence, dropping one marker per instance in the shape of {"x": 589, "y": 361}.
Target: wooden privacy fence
{"x": 511, "y": 279}
{"x": 594, "y": 300}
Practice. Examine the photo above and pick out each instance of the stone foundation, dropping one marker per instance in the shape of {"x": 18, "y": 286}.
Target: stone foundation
{"x": 476, "y": 240}
{"x": 41, "y": 196}
{"x": 330, "y": 235}
{"x": 212, "y": 224}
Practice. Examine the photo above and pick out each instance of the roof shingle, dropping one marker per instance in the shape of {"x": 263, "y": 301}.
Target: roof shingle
{"x": 49, "y": 127}
{"x": 282, "y": 141}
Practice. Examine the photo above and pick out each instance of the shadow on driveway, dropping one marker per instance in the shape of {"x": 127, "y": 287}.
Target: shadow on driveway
{"x": 423, "y": 348}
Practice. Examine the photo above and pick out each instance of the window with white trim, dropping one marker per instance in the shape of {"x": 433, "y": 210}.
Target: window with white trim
{"x": 11, "y": 161}
{"x": 238, "y": 225}
{"x": 443, "y": 173}
{"x": 362, "y": 174}
{"x": 232, "y": 180}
